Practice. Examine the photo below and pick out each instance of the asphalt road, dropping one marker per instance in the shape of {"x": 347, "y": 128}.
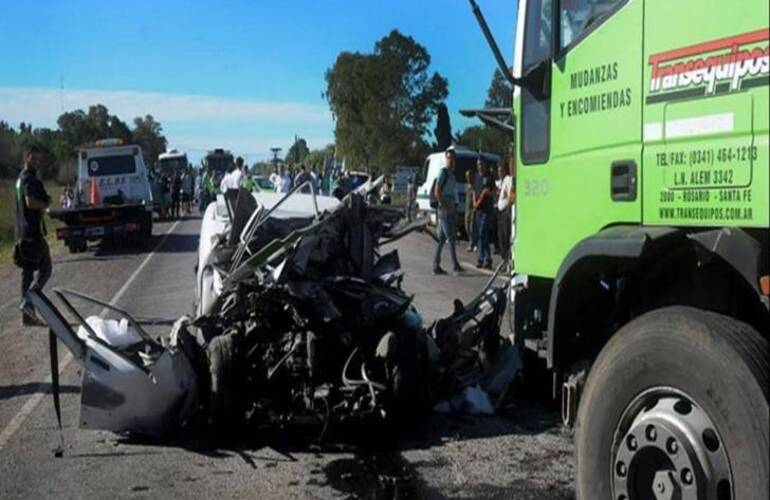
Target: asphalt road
{"x": 522, "y": 453}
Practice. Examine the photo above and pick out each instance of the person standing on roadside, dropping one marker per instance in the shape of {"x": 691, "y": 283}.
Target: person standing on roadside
{"x": 176, "y": 194}
{"x": 504, "y": 209}
{"x": 237, "y": 175}
{"x": 275, "y": 178}
{"x": 315, "y": 179}
{"x": 410, "y": 198}
{"x": 284, "y": 182}
{"x": 301, "y": 178}
{"x": 483, "y": 204}
{"x": 445, "y": 192}
{"x": 198, "y": 188}
{"x": 470, "y": 214}
{"x": 31, "y": 251}
{"x": 187, "y": 191}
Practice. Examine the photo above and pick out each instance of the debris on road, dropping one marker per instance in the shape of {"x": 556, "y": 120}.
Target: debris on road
{"x": 311, "y": 328}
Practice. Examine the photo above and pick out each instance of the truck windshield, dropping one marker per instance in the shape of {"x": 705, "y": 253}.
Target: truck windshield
{"x": 171, "y": 165}
{"x": 111, "y": 165}
{"x": 219, "y": 165}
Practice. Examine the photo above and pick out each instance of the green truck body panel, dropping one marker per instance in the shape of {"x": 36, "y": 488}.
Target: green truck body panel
{"x": 677, "y": 90}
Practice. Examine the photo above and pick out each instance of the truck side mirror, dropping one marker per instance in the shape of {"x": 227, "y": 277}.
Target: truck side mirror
{"x": 538, "y": 79}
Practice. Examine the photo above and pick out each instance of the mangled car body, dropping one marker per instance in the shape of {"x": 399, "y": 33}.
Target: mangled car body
{"x": 309, "y": 326}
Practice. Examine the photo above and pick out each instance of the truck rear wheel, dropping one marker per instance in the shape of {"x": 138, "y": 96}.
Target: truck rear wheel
{"x": 676, "y": 406}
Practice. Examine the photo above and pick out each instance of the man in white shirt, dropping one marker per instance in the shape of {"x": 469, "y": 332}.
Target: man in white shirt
{"x": 233, "y": 179}
{"x": 284, "y": 182}
{"x": 236, "y": 177}
{"x": 505, "y": 208}
{"x": 275, "y": 178}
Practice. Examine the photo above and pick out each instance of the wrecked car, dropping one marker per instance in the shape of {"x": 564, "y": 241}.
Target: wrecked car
{"x": 310, "y": 327}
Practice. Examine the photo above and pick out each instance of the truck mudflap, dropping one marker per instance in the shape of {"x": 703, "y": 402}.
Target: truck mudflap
{"x": 144, "y": 388}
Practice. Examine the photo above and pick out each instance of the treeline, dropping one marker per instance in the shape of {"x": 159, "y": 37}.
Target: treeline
{"x": 76, "y": 128}
{"x": 383, "y": 103}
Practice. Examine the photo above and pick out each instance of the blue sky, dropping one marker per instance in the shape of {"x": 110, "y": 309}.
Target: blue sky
{"x": 245, "y": 75}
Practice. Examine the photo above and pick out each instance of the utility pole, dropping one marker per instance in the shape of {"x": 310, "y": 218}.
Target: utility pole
{"x": 275, "y": 152}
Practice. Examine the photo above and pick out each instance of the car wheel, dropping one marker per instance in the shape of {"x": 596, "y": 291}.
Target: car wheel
{"x": 223, "y": 360}
{"x": 676, "y": 406}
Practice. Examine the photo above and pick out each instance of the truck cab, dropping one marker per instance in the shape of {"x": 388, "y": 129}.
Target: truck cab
{"x": 219, "y": 162}
{"x": 641, "y": 285}
{"x": 172, "y": 162}
{"x": 113, "y": 196}
{"x": 118, "y": 171}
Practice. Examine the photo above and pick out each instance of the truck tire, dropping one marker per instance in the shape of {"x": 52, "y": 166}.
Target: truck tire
{"x": 222, "y": 357}
{"x": 677, "y": 399}
{"x": 147, "y": 228}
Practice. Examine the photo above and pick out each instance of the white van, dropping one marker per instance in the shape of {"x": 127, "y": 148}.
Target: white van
{"x": 465, "y": 159}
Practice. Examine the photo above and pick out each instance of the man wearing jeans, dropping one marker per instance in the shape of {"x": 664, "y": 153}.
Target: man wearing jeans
{"x": 446, "y": 213}
{"x": 484, "y": 206}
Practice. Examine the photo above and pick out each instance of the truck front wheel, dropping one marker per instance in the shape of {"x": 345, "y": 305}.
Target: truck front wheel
{"x": 676, "y": 406}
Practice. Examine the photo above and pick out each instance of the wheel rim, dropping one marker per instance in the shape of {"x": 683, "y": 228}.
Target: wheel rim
{"x": 666, "y": 447}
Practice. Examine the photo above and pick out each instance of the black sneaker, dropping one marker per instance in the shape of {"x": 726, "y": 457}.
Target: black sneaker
{"x": 457, "y": 270}
{"x": 27, "y": 320}
{"x": 29, "y": 316}
{"x": 488, "y": 265}
{"x": 438, "y": 270}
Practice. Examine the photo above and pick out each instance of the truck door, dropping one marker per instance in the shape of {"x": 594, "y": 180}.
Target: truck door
{"x": 705, "y": 114}
{"x": 581, "y": 139}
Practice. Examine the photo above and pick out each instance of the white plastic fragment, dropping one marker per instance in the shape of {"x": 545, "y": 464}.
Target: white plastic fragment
{"x": 116, "y": 333}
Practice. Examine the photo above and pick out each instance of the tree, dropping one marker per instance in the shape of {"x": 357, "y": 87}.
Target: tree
{"x": 443, "y": 130}
{"x": 320, "y": 156}
{"x": 484, "y": 137}
{"x": 298, "y": 151}
{"x": 10, "y": 151}
{"x": 149, "y": 134}
{"x": 383, "y": 102}
{"x": 499, "y": 94}
{"x": 80, "y": 128}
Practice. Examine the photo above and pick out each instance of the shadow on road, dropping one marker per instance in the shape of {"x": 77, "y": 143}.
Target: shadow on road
{"x": 12, "y": 391}
{"x": 174, "y": 243}
{"x": 377, "y": 469}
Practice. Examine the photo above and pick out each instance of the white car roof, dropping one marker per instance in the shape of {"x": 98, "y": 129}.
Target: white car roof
{"x": 297, "y": 205}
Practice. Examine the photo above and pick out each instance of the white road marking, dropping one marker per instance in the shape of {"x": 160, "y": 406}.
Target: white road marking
{"x": 18, "y": 420}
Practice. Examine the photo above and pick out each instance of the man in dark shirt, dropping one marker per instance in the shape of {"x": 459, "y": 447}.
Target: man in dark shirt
{"x": 483, "y": 204}
{"x": 31, "y": 252}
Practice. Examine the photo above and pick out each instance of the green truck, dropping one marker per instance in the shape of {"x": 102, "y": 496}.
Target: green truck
{"x": 641, "y": 291}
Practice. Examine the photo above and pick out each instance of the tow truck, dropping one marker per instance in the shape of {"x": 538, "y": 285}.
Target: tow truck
{"x": 641, "y": 288}
{"x": 113, "y": 199}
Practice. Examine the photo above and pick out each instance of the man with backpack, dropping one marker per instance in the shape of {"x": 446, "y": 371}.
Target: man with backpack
{"x": 445, "y": 200}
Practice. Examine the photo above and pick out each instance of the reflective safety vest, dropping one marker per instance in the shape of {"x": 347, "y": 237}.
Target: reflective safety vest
{"x": 248, "y": 183}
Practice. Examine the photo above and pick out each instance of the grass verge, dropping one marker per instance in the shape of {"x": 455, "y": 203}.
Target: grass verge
{"x": 8, "y": 218}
